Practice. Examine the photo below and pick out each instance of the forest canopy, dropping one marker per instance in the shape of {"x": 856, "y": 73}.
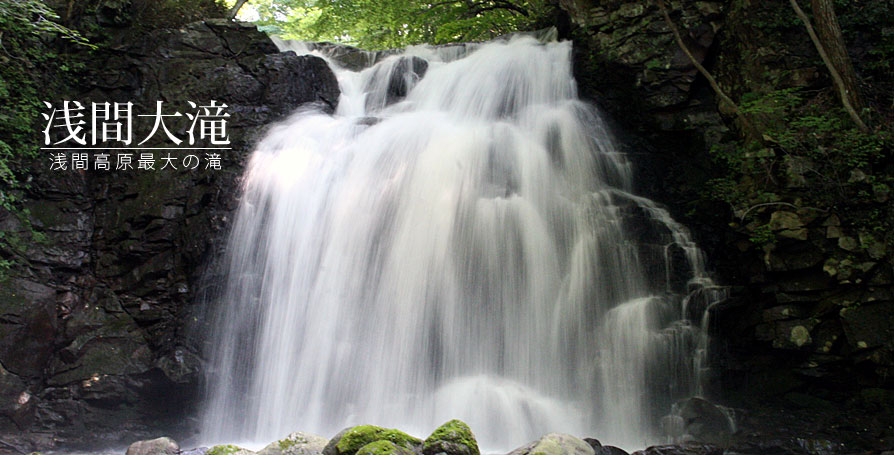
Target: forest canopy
{"x": 378, "y": 24}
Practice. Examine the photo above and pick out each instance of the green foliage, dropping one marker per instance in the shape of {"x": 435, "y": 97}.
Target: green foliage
{"x": 811, "y": 153}
{"x": 762, "y": 235}
{"x": 25, "y": 63}
{"x": 379, "y": 24}
{"x": 35, "y": 17}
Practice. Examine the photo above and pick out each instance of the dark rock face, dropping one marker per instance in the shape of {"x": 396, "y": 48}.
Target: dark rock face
{"x": 404, "y": 74}
{"x": 95, "y": 339}
{"x": 808, "y": 325}
{"x": 703, "y": 421}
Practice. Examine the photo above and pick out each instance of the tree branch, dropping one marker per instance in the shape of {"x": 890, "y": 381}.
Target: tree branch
{"x": 836, "y": 77}
{"x": 701, "y": 69}
{"x": 235, "y": 9}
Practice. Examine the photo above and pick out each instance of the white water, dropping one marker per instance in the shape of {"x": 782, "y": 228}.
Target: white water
{"x": 473, "y": 251}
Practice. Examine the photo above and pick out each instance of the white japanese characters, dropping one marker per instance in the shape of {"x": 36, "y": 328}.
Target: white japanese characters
{"x": 107, "y": 130}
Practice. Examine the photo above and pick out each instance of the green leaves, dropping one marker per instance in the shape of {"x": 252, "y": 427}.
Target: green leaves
{"x": 378, "y": 24}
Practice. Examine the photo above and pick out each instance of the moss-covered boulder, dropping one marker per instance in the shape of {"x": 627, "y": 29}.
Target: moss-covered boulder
{"x": 384, "y": 447}
{"x": 297, "y": 443}
{"x": 556, "y": 444}
{"x": 351, "y": 440}
{"x": 451, "y": 438}
{"x": 228, "y": 449}
{"x": 158, "y": 446}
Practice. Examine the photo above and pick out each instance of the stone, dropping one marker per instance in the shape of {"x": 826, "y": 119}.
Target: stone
{"x": 594, "y": 443}
{"x": 704, "y": 421}
{"x": 556, "y": 444}
{"x": 848, "y": 243}
{"x": 384, "y": 448}
{"x": 869, "y": 325}
{"x": 688, "y": 448}
{"x": 782, "y": 312}
{"x": 788, "y": 224}
{"x": 297, "y": 443}
{"x": 451, "y": 438}
{"x": 228, "y": 449}
{"x": 158, "y": 446}
{"x": 405, "y": 72}
{"x": 350, "y": 440}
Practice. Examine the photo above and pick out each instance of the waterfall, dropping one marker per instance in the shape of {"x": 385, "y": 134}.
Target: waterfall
{"x": 459, "y": 240}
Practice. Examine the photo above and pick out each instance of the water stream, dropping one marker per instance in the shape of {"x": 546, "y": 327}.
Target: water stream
{"x": 459, "y": 240}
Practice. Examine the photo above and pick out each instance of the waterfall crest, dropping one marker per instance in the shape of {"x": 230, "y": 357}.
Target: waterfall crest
{"x": 460, "y": 240}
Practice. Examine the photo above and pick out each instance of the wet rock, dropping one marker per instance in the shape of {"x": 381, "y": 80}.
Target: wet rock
{"x": 788, "y": 224}
{"x": 228, "y": 449}
{"x": 704, "y": 422}
{"x": 404, "y": 73}
{"x": 159, "y": 446}
{"x": 611, "y": 450}
{"x": 384, "y": 448}
{"x": 350, "y": 440}
{"x": 594, "y": 443}
{"x": 869, "y": 325}
{"x": 350, "y": 57}
{"x": 451, "y": 438}
{"x": 556, "y": 444}
{"x": 297, "y": 443}
{"x": 681, "y": 449}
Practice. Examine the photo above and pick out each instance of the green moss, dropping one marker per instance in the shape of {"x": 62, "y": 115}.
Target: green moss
{"x": 379, "y": 448}
{"x": 288, "y": 443}
{"x": 225, "y": 449}
{"x": 454, "y": 432}
{"x": 359, "y": 436}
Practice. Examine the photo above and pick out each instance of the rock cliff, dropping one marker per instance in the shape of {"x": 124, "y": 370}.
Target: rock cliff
{"x": 94, "y": 341}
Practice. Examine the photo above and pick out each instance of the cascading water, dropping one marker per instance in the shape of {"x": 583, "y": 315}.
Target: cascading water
{"x": 459, "y": 244}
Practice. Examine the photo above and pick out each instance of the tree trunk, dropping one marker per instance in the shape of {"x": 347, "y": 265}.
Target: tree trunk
{"x": 235, "y": 9}
{"x": 836, "y": 76}
{"x": 830, "y": 34}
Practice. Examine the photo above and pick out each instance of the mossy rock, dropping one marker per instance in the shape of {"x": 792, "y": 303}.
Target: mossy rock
{"x": 556, "y": 444}
{"x": 228, "y": 449}
{"x": 451, "y": 438}
{"x": 350, "y": 440}
{"x": 384, "y": 447}
{"x": 296, "y": 444}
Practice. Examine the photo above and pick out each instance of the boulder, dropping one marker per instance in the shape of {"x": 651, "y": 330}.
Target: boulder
{"x": 351, "y": 440}
{"x": 681, "y": 449}
{"x": 384, "y": 448}
{"x": 228, "y": 449}
{"x": 158, "y": 446}
{"x": 297, "y": 443}
{"x": 556, "y": 444}
{"x": 704, "y": 422}
{"x": 451, "y": 438}
{"x": 401, "y": 75}
{"x": 611, "y": 450}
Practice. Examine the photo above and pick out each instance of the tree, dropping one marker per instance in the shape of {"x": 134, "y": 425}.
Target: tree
{"x": 235, "y": 9}
{"x": 833, "y": 42}
{"x": 396, "y": 23}
{"x": 830, "y": 45}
